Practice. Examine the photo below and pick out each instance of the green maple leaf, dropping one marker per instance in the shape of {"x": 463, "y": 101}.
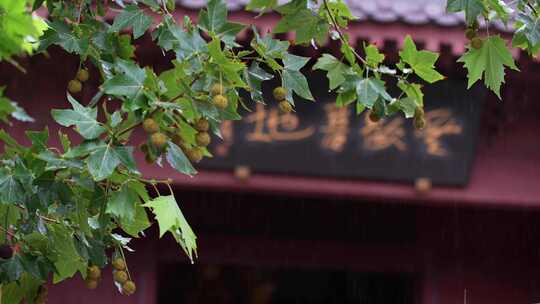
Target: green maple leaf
{"x": 102, "y": 162}
{"x": 406, "y": 105}
{"x": 421, "y": 62}
{"x": 15, "y": 292}
{"x": 67, "y": 260}
{"x": 369, "y": 90}
{"x": 170, "y": 219}
{"x": 129, "y": 83}
{"x": 17, "y": 25}
{"x": 293, "y": 79}
{"x": 345, "y": 98}
{"x": 373, "y": 56}
{"x": 413, "y": 91}
{"x": 335, "y": 68}
{"x": 254, "y": 76}
{"x": 297, "y": 17}
{"x": 413, "y": 100}
{"x": 268, "y": 47}
{"x": 38, "y": 138}
{"x": 214, "y": 16}
{"x": 122, "y": 203}
{"x": 170, "y": 36}
{"x": 472, "y": 8}
{"x": 261, "y": 5}
{"x": 11, "y": 190}
{"x": 500, "y": 8}
{"x": 527, "y": 34}
{"x": 125, "y": 155}
{"x": 489, "y": 61}
{"x": 6, "y": 106}
{"x": 230, "y": 67}
{"x": 179, "y": 161}
{"x": 83, "y": 118}
{"x": 138, "y": 224}
{"x": 341, "y": 12}
{"x": 132, "y": 16}
{"x": 214, "y": 19}
{"x": 56, "y": 163}
{"x": 61, "y": 34}
{"x": 124, "y": 47}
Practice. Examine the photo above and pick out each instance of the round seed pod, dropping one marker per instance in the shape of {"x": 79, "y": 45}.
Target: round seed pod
{"x": 220, "y": 101}
{"x": 120, "y": 276}
{"x": 195, "y": 155}
{"x": 203, "y": 139}
{"x": 285, "y": 106}
{"x": 150, "y": 126}
{"x": 202, "y": 125}
{"x": 280, "y": 93}
{"x": 82, "y": 75}
{"x": 91, "y": 284}
{"x": 477, "y": 42}
{"x": 74, "y": 86}
{"x": 217, "y": 89}
{"x": 119, "y": 264}
{"x": 129, "y": 288}
{"x": 419, "y": 122}
{"x": 159, "y": 140}
{"x": 470, "y": 33}
{"x": 94, "y": 272}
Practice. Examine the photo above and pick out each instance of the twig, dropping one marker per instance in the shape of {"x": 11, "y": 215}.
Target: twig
{"x": 341, "y": 36}
{"x": 125, "y": 262}
{"x": 153, "y": 181}
{"x": 170, "y": 188}
{"x": 531, "y": 7}
{"x": 16, "y": 65}
{"x": 155, "y": 189}
{"x": 47, "y": 219}
{"x": 133, "y": 126}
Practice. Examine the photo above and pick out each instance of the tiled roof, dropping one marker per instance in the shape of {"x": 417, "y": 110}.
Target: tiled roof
{"x": 409, "y": 11}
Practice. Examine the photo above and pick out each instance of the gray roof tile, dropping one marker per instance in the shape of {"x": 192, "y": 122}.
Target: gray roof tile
{"x": 415, "y": 12}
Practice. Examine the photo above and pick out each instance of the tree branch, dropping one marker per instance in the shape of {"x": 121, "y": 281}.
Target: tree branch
{"x": 133, "y": 126}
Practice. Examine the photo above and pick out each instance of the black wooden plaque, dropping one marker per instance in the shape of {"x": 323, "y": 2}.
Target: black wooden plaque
{"x": 323, "y": 140}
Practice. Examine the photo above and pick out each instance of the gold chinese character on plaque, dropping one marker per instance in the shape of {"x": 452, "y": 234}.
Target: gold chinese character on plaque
{"x": 270, "y": 126}
{"x": 439, "y": 123}
{"x": 227, "y": 133}
{"x": 383, "y": 134}
{"x": 336, "y": 128}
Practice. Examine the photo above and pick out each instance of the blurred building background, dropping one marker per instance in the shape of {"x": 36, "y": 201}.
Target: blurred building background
{"x": 323, "y": 206}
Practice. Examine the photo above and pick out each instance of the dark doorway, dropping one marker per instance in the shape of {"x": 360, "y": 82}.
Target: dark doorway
{"x": 212, "y": 284}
